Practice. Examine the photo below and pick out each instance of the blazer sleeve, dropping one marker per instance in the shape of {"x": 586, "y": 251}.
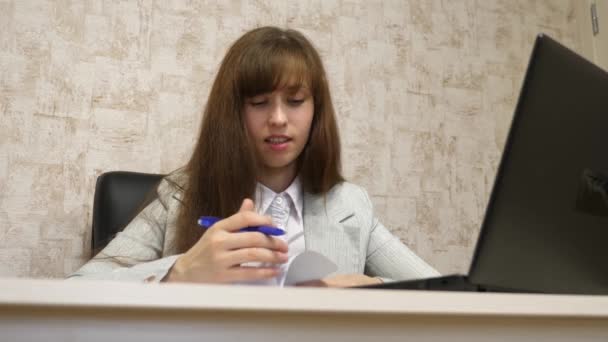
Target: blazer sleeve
{"x": 390, "y": 259}
{"x": 135, "y": 254}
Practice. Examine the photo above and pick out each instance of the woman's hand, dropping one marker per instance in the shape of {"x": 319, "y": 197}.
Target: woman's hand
{"x": 218, "y": 255}
{"x": 343, "y": 280}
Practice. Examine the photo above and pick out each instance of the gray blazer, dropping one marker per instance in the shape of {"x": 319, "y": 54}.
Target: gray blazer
{"x": 341, "y": 226}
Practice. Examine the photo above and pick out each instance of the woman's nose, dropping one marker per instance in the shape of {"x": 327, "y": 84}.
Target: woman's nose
{"x": 277, "y": 115}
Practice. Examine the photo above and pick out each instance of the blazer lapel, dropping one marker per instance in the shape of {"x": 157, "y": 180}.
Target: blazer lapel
{"x": 330, "y": 228}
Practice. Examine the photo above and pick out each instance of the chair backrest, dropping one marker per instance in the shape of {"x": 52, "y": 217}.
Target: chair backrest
{"x": 119, "y": 196}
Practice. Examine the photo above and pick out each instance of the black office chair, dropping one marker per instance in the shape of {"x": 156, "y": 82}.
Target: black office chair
{"x": 119, "y": 196}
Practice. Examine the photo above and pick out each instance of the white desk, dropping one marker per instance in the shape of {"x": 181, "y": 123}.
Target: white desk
{"x": 56, "y": 310}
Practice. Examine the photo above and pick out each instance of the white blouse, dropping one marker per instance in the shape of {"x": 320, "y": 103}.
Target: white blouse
{"x": 294, "y": 228}
{"x": 295, "y": 223}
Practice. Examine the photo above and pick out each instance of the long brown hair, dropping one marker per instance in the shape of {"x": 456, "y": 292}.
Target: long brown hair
{"x": 222, "y": 169}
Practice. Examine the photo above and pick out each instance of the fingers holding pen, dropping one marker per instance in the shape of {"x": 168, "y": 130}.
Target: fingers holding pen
{"x": 219, "y": 253}
{"x": 255, "y": 254}
{"x": 240, "y": 220}
{"x": 254, "y": 239}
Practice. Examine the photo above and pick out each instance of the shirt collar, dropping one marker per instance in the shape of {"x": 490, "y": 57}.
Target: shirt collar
{"x": 265, "y": 195}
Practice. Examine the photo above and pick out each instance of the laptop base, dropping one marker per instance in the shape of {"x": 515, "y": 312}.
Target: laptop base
{"x": 453, "y": 282}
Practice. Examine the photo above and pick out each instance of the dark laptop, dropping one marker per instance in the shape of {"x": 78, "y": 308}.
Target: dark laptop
{"x": 546, "y": 224}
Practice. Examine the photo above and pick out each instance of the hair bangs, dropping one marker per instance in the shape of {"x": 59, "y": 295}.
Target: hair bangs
{"x": 283, "y": 67}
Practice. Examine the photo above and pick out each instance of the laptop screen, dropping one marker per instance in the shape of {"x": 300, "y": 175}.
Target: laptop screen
{"x": 546, "y": 224}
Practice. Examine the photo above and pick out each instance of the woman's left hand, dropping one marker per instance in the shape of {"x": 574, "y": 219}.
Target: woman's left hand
{"x": 343, "y": 280}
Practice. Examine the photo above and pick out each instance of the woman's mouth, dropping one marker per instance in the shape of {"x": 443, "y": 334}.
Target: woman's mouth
{"x": 277, "y": 143}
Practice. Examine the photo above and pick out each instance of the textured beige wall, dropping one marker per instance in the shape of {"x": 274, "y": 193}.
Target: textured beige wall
{"x": 424, "y": 92}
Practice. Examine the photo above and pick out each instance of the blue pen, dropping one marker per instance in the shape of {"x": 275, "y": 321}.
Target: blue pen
{"x": 208, "y": 221}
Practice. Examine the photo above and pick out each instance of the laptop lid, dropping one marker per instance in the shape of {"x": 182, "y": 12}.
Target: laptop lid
{"x": 546, "y": 223}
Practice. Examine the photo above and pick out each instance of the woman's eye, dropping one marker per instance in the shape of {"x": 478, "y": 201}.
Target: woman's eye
{"x": 258, "y": 103}
{"x": 295, "y": 102}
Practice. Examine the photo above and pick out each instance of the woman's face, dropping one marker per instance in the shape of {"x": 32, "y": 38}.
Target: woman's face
{"x": 278, "y": 124}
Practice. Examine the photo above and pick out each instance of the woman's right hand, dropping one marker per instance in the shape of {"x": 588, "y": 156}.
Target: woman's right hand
{"x": 218, "y": 255}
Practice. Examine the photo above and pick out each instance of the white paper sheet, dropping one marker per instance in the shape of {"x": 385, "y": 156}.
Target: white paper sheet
{"x": 306, "y": 266}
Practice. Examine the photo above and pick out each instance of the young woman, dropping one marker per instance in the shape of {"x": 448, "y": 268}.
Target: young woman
{"x": 268, "y": 134}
